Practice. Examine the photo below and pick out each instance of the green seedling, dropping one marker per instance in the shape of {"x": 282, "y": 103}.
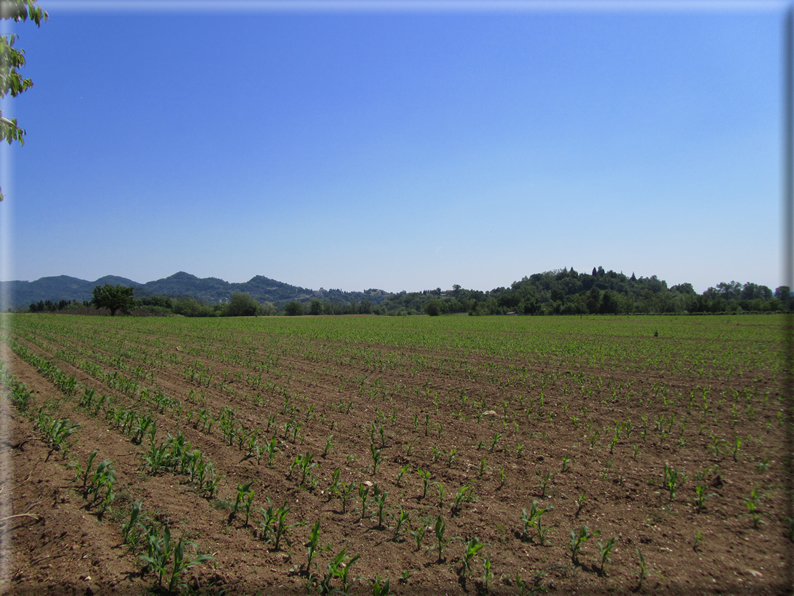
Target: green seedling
{"x": 673, "y": 479}
{"x": 701, "y": 496}
{"x": 441, "y": 542}
{"x": 345, "y": 493}
{"x": 604, "y": 550}
{"x": 494, "y": 441}
{"x": 752, "y": 507}
{"x": 380, "y": 587}
{"x": 363, "y": 494}
{"x": 425, "y": 476}
{"x": 482, "y": 468}
{"x": 328, "y": 445}
{"x": 419, "y": 536}
{"x": 314, "y": 540}
{"x": 244, "y": 492}
{"x": 533, "y": 520}
{"x": 577, "y": 542}
{"x": 543, "y": 482}
{"x": 736, "y": 444}
{"x": 487, "y": 575}
{"x": 566, "y": 461}
{"x": 473, "y": 547}
{"x": 464, "y": 494}
{"x": 696, "y": 542}
{"x": 440, "y": 489}
{"x": 377, "y": 458}
{"x": 401, "y": 518}
{"x": 333, "y": 488}
{"x": 581, "y": 500}
{"x": 380, "y": 502}
{"x": 401, "y": 473}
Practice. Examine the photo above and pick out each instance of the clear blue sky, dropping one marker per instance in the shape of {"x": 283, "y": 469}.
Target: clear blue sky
{"x": 399, "y": 150}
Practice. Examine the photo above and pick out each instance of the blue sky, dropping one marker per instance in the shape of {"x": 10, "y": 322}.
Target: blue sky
{"x": 401, "y": 150}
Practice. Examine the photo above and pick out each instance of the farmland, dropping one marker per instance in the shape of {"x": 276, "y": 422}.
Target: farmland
{"x": 447, "y": 454}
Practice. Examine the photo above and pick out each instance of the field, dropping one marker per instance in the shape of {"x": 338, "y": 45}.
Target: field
{"x": 504, "y": 455}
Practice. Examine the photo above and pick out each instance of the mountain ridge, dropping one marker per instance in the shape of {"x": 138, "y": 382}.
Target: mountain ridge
{"x": 181, "y": 284}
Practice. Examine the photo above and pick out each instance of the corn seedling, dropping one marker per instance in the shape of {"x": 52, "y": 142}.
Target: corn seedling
{"x": 419, "y": 536}
{"x": 338, "y": 567}
{"x": 673, "y": 479}
{"x": 532, "y": 519}
{"x": 380, "y": 502}
{"x": 752, "y": 507}
{"x": 328, "y": 445}
{"x": 344, "y": 494}
{"x": 440, "y": 489}
{"x": 380, "y": 587}
{"x": 696, "y": 542}
{"x": 482, "y": 468}
{"x": 700, "y": 497}
{"x": 377, "y": 458}
{"x": 464, "y": 494}
{"x": 566, "y": 462}
{"x": 439, "y": 529}
{"x": 401, "y": 473}
{"x": 577, "y": 542}
{"x": 425, "y": 476}
{"x": 400, "y": 519}
{"x": 604, "y": 550}
{"x": 543, "y": 482}
{"x": 487, "y": 575}
{"x": 242, "y": 493}
{"x": 580, "y": 503}
{"x": 363, "y": 494}
{"x": 494, "y": 441}
{"x": 736, "y": 444}
{"x": 473, "y": 547}
{"x": 160, "y": 552}
{"x": 314, "y": 540}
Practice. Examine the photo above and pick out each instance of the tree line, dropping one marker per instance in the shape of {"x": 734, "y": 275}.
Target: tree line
{"x": 560, "y": 292}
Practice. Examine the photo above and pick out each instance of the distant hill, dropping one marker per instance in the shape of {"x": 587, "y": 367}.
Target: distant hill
{"x": 209, "y": 289}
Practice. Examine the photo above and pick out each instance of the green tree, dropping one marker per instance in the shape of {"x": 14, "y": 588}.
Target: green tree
{"x": 433, "y": 308}
{"x": 293, "y": 309}
{"x": 114, "y": 298}
{"x": 316, "y": 307}
{"x": 242, "y": 305}
{"x": 593, "y": 300}
{"x": 11, "y": 59}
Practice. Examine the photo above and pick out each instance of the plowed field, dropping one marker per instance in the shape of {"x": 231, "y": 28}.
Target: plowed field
{"x": 573, "y": 448}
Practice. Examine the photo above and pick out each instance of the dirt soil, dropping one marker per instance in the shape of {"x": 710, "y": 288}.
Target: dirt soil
{"x": 501, "y": 441}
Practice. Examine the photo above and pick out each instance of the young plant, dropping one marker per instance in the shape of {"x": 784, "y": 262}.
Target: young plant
{"x": 487, "y": 575}
{"x": 419, "y": 536}
{"x": 401, "y": 473}
{"x": 425, "y": 476}
{"x": 580, "y": 503}
{"x": 604, "y": 550}
{"x": 244, "y": 492}
{"x": 363, "y": 494}
{"x": 701, "y": 496}
{"x": 577, "y": 542}
{"x": 543, "y": 482}
{"x": 473, "y": 547}
{"x": 400, "y": 519}
{"x": 441, "y": 542}
{"x": 344, "y": 494}
{"x": 380, "y": 502}
{"x": 314, "y": 540}
{"x": 673, "y": 479}
{"x": 532, "y": 520}
{"x": 566, "y": 462}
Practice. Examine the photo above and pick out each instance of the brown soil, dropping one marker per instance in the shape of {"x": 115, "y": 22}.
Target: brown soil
{"x": 60, "y": 544}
